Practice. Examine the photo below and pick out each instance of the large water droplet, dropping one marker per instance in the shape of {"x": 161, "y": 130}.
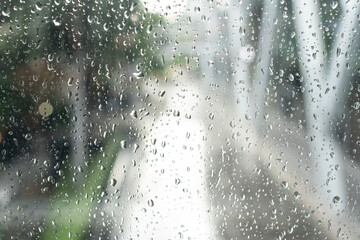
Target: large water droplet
{"x": 45, "y": 109}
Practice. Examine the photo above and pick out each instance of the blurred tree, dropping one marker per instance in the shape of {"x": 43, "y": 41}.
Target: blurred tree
{"x": 319, "y": 71}
{"x": 69, "y": 54}
{"x": 325, "y": 79}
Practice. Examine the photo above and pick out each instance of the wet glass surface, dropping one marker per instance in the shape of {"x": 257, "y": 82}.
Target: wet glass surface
{"x": 210, "y": 119}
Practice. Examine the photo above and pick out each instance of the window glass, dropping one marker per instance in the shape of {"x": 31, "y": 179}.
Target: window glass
{"x": 205, "y": 119}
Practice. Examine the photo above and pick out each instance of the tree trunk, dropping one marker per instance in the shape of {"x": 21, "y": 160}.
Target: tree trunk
{"x": 327, "y": 156}
{"x": 240, "y": 58}
{"x": 263, "y": 63}
{"x": 79, "y": 134}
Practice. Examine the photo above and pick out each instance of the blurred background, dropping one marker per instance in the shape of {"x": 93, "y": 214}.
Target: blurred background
{"x": 156, "y": 119}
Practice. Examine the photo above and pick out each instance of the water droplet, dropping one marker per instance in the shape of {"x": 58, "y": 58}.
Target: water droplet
{"x": 284, "y": 184}
{"x": 28, "y": 136}
{"x": 138, "y": 75}
{"x": 356, "y": 105}
{"x": 211, "y": 116}
{"x": 338, "y": 232}
{"x": 123, "y": 144}
{"x": 45, "y": 109}
{"x": 163, "y": 60}
{"x": 336, "y": 199}
{"x": 90, "y": 19}
{"x": 113, "y": 182}
{"x": 334, "y": 4}
{"x": 161, "y": 94}
{"x": 133, "y": 114}
{"x": 6, "y": 13}
{"x": 176, "y": 113}
{"x": 106, "y": 26}
{"x": 177, "y": 181}
{"x": 35, "y": 78}
{"x": 149, "y": 29}
{"x": 266, "y": 116}
{"x": 338, "y": 52}
{"x": 151, "y": 203}
{"x": 136, "y": 147}
{"x": 296, "y": 195}
{"x": 291, "y": 77}
{"x": 56, "y": 22}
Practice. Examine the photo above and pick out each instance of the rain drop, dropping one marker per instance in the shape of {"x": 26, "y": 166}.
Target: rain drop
{"x": 28, "y": 136}
{"x": 56, "y": 22}
{"x": 296, "y": 195}
{"x": 177, "y": 181}
{"x": 123, "y": 144}
{"x": 334, "y": 4}
{"x": 138, "y": 75}
{"x": 151, "y": 203}
{"x": 149, "y": 29}
{"x": 284, "y": 184}
{"x": 133, "y": 114}
{"x": 113, "y": 182}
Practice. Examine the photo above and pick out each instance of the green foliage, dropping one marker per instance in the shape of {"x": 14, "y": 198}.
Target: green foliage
{"x": 42, "y": 41}
{"x": 72, "y": 210}
{"x": 57, "y": 33}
